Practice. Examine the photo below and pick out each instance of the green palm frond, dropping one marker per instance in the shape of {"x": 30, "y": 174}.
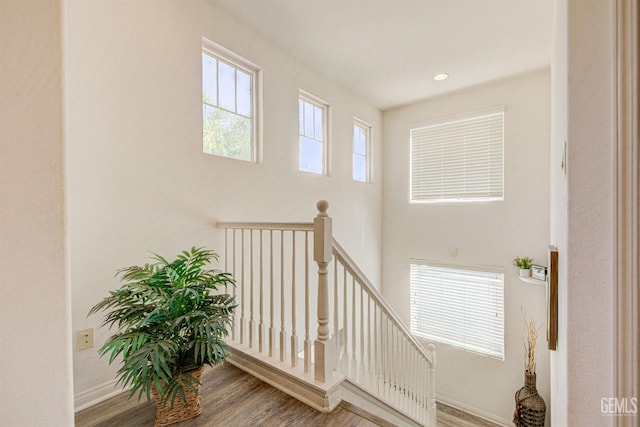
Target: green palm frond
{"x": 168, "y": 319}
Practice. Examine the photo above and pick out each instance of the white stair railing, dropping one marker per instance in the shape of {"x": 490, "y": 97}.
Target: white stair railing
{"x": 374, "y": 348}
{"x": 358, "y": 335}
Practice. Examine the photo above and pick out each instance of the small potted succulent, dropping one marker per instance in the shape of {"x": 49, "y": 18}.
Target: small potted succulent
{"x": 170, "y": 320}
{"x": 524, "y": 264}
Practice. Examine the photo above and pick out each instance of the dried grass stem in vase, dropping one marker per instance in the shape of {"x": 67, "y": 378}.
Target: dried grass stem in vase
{"x": 529, "y": 340}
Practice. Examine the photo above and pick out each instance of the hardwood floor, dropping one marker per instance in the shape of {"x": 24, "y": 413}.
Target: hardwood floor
{"x": 452, "y": 417}
{"x": 231, "y": 397}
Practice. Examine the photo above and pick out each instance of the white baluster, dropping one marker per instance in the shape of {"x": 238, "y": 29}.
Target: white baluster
{"x": 407, "y": 376}
{"x": 226, "y": 255}
{"x": 346, "y": 355}
{"x": 322, "y": 252}
{"x": 283, "y": 333}
{"x": 414, "y": 395}
{"x": 361, "y": 353}
{"x": 411, "y": 377}
{"x": 294, "y": 337}
{"x": 369, "y": 338}
{"x": 251, "y": 322}
{"x": 401, "y": 368}
{"x": 261, "y": 301}
{"x": 233, "y": 272}
{"x": 242, "y": 290}
{"x": 386, "y": 347}
{"x": 393, "y": 365}
{"x": 432, "y": 386}
{"x": 271, "y": 305}
{"x": 405, "y": 369}
{"x": 376, "y": 350}
{"x": 354, "y": 337}
{"x": 307, "y": 339}
{"x": 336, "y": 323}
{"x": 419, "y": 381}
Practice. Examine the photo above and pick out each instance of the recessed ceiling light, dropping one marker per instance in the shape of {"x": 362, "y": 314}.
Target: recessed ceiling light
{"x": 440, "y": 77}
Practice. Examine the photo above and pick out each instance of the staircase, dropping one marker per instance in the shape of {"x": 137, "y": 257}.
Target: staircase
{"x": 322, "y": 334}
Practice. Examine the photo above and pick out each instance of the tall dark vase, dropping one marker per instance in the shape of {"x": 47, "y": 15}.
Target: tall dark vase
{"x": 530, "y": 407}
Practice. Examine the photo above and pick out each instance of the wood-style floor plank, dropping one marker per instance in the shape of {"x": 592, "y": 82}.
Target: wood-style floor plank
{"x": 230, "y": 397}
{"x": 233, "y": 398}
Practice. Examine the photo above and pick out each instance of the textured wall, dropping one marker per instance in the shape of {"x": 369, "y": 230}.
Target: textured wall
{"x": 137, "y": 177}
{"x": 35, "y": 361}
{"x": 485, "y": 233}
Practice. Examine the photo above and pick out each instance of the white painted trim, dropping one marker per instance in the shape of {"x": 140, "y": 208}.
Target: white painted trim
{"x": 235, "y": 60}
{"x": 95, "y": 395}
{"x": 354, "y": 394}
{"x": 321, "y": 103}
{"x": 459, "y": 117}
{"x": 288, "y": 226}
{"x": 323, "y": 397}
{"x": 368, "y": 148}
{"x": 626, "y": 193}
{"x": 475, "y": 411}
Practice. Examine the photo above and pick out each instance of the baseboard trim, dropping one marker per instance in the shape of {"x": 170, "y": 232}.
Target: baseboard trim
{"x": 359, "y": 397}
{"x": 323, "y": 397}
{"x": 474, "y": 411}
{"x": 95, "y": 395}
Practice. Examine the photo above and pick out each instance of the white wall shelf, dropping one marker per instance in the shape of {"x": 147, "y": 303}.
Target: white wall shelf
{"x": 532, "y": 281}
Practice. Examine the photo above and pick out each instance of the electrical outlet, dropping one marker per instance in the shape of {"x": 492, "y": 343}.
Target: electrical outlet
{"x": 85, "y": 339}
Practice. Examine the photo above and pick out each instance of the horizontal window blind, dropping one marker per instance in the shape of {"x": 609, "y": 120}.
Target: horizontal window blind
{"x": 458, "y": 160}
{"x": 459, "y": 306}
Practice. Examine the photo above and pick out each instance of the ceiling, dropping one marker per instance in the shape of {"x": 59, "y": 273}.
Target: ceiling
{"x": 388, "y": 51}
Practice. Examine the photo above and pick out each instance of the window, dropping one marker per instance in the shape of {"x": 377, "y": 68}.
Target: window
{"x": 312, "y": 119}
{"x": 229, "y": 92}
{"x": 458, "y": 160}
{"x": 459, "y": 306}
{"x": 361, "y": 136}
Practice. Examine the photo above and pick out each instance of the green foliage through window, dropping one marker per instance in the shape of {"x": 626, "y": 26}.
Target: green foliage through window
{"x": 226, "y": 134}
{"x": 228, "y": 106}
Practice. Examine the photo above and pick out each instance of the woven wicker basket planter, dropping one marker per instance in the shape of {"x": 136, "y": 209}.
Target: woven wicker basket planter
{"x": 530, "y": 407}
{"x": 167, "y": 415}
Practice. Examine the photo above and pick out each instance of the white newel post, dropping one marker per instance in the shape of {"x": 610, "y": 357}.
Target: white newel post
{"x": 322, "y": 247}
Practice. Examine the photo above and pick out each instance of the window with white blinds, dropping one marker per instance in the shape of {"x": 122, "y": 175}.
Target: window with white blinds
{"x": 459, "y": 306}
{"x": 459, "y": 160}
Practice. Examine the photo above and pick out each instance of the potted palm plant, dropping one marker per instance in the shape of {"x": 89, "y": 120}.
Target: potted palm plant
{"x": 170, "y": 320}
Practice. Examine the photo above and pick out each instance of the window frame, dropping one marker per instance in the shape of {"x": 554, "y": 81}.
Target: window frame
{"x": 230, "y": 58}
{"x": 367, "y": 155}
{"x": 448, "y": 121}
{"x": 315, "y": 101}
{"x": 466, "y": 344}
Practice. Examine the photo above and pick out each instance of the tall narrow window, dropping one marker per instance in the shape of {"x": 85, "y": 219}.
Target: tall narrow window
{"x": 460, "y": 306}
{"x": 361, "y": 149}
{"x": 312, "y": 119}
{"x": 458, "y": 160}
{"x": 229, "y": 92}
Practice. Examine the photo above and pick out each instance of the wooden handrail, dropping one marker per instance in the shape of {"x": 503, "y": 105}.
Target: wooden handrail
{"x": 286, "y": 226}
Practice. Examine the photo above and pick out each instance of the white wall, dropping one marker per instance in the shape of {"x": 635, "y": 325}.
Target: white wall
{"x": 558, "y": 208}
{"x": 484, "y": 233}
{"x": 137, "y": 177}
{"x": 35, "y": 360}
{"x": 582, "y": 208}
